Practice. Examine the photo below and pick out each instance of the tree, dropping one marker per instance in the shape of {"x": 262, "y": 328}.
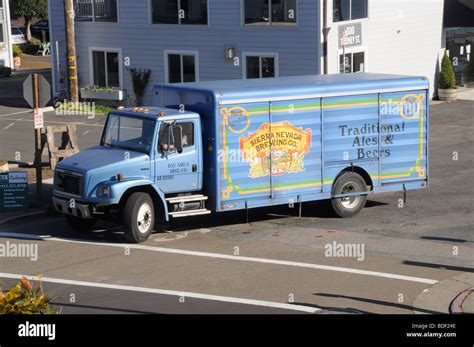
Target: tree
{"x": 29, "y": 9}
{"x": 447, "y": 79}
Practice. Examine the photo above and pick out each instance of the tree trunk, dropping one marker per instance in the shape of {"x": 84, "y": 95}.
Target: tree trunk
{"x": 28, "y": 28}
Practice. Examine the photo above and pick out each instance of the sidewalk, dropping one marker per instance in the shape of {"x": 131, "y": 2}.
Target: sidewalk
{"x": 465, "y": 93}
{"x": 452, "y": 295}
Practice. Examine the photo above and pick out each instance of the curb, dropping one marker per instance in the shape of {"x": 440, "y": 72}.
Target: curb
{"x": 26, "y": 215}
{"x": 456, "y": 304}
{"x": 438, "y": 298}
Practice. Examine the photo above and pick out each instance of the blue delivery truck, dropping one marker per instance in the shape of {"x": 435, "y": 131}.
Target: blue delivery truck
{"x": 222, "y": 146}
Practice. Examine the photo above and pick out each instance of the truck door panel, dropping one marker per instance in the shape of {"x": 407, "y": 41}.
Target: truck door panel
{"x": 403, "y": 136}
{"x": 295, "y": 147}
{"x": 350, "y": 135}
{"x": 244, "y": 168}
{"x": 179, "y": 171}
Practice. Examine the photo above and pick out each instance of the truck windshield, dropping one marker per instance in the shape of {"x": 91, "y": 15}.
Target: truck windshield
{"x": 135, "y": 134}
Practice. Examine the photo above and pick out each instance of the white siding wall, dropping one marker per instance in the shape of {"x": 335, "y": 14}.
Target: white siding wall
{"x": 399, "y": 37}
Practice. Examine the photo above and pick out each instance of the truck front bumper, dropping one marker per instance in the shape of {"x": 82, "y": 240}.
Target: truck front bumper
{"x": 78, "y": 210}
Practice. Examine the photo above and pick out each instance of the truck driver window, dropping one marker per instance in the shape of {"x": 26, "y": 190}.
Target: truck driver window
{"x": 176, "y": 137}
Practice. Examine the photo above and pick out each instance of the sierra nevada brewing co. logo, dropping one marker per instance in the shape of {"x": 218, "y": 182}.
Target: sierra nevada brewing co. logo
{"x": 279, "y": 149}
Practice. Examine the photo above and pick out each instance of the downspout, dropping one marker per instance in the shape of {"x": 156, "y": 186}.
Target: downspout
{"x": 325, "y": 36}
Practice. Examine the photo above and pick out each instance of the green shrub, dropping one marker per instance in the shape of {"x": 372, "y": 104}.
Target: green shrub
{"x": 25, "y": 298}
{"x": 34, "y": 41}
{"x": 17, "y": 51}
{"x": 469, "y": 71}
{"x": 447, "y": 80}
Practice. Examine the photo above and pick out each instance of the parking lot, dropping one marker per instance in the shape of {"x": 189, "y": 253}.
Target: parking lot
{"x": 413, "y": 256}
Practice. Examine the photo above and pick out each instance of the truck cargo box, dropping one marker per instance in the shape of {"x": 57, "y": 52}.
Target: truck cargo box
{"x": 286, "y": 140}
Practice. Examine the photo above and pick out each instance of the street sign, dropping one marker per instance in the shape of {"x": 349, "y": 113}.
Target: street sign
{"x": 13, "y": 190}
{"x": 350, "y": 35}
{"x": 38, "y": 117}
{"x": 44, "y": 91}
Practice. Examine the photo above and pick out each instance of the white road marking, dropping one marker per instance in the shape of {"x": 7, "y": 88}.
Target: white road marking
{"x": 86, "y": 132}
{"x": 227, "y": 257}
{"x": 55, "y": 122}
{"x": 168, "y": 292}
{"x": 9, "y": 126}
{"x": 14, "y": 113}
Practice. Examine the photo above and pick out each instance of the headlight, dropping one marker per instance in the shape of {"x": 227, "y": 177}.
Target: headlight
{"x": 103, "y": 192}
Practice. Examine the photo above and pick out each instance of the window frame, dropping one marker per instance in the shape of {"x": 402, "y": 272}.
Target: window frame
{"x": 350, "y": 13}
{"x": 181, "y": 53}
{"x": 181, "y": 121}
{"x": 260, "y": 55}
{"x": 353, "y": 51}
{"x": 150, "y": 17}
{"x": 3, "y": 23}
{"x": 93, "y": 15}
{"x": 105, "y": 50}
{"x": 270, "y": 23}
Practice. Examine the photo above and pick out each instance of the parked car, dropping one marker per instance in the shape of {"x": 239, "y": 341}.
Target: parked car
{"x": 39, "y": 27}
{"x": 18, "y": 38}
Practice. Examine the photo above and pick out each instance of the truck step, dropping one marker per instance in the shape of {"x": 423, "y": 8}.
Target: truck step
{"x": 187, "y": 198}
{"x": 189, "y": 213}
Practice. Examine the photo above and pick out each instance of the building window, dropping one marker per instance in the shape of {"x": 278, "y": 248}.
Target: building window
{"x": 260, "y": 66}
{"x": 352, "y": 62}
{"x": 270, "y": 12}
{"x": 344, "y": 10}
{"x": 2, "y": 30}
{"x": 179, "y": 12}
{"x": 96, "y": 10}
{"x": 105, "y": 69}
{"x": 181, "y": 67}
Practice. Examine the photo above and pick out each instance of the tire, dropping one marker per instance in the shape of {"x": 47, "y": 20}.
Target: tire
{"x": 138, "y": 217}
{"x": 80, "y": 225}
{"x": 349, "y": 182}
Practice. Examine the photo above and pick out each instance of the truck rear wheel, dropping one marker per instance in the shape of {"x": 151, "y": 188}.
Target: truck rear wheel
{"x": 138, "y": 217}
{"x": 349, "y": 182}
{"x": 80, "y": 224}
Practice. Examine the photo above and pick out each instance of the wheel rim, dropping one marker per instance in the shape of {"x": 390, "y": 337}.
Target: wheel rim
{"x": 144, "y": 218}
{"x": 350, "y": 202}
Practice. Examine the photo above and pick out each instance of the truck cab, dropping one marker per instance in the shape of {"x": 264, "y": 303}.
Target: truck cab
{"x": 147, "y": 167}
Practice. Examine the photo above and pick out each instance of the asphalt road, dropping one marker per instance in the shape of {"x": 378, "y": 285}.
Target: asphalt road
{"x": 222, "y": 263}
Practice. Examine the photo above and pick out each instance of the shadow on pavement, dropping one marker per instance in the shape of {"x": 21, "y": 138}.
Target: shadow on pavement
{"x": 377, "y": 302}
{"x": 438, "y": 266}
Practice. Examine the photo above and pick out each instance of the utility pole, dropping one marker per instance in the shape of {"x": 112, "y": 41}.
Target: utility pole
{"x": 71, "y": 51}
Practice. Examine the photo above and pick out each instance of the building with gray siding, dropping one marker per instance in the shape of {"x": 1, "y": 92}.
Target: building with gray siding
{"x": 186, "y": 40}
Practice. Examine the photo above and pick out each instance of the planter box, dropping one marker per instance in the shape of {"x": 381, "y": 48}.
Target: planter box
{"x": 447, "y": 94}
{"x": 117, "y": 95}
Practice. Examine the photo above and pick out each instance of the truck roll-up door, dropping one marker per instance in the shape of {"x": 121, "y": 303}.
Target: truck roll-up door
{"x": 245, "y": 138}
{"x": 403, "y": 135}
{"x": 295, "y": 147}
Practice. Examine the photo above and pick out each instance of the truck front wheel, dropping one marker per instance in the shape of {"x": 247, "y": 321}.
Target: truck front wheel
{"x": 349, "y": 183}
{"x": 138, "y": 217}
{"x": 79, "y": 224}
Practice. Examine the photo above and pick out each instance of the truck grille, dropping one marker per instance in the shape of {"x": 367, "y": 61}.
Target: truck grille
{"x": 67, "y": 182}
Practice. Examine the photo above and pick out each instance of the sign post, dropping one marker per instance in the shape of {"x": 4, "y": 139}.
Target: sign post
{"x": 37, "y": 92}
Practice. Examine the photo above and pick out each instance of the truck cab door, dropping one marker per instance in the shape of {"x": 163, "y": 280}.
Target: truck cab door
{"x": 178, "y": 163}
